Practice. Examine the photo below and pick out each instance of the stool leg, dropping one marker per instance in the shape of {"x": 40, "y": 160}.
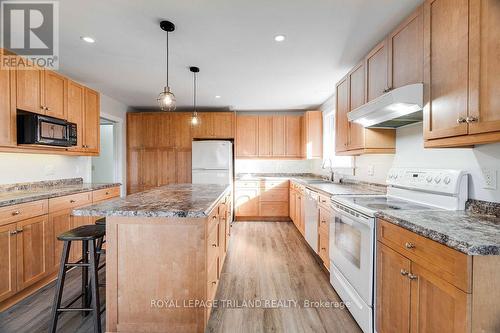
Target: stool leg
{"x": 85, "y": 278}
{"x": 94, "y": 287}
{"x": 59, "y": 286}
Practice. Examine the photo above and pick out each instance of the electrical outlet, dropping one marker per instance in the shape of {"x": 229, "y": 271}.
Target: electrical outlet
{"x": 489, "y": 178}
{"x": 371, "y": 170}
{"x": 49, "y": 170}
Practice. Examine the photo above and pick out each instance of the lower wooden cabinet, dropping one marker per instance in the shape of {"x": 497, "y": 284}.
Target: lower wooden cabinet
{"x": 8, "y": 254}
{"x": 262, "y": 199}
{"x": 421, "y": 286}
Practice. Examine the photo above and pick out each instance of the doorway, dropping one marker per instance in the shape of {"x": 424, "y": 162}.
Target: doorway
{"x": 105, "y": 166}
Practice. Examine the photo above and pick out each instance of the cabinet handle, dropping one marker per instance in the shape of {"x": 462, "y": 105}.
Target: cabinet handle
{"x": 214, "y": 283}
{"x": 12, "y": 233}
{"x": 403, "y": 272}
{"x": 461, "y": 120}
{"x": 16, "y": 213}
{"x": 323, "y": 221}
{"x": 18, "y": 231}
{"x": 323, "y": 248}
{"x": 107, "y": 193}
{"x": 472, "y": 119}
{"x": 72, "y": 201}
{"x": 214, "y": 245}
{"x": 42, "y": 107}
{"x": 412, "y": 277}
{"x": 409, "y": 245}
{"x": 387, "y": 90}
{"x": 47, "y": 109}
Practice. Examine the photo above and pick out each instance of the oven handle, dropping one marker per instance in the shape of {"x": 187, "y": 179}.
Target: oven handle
{"x": 360, "y": 218}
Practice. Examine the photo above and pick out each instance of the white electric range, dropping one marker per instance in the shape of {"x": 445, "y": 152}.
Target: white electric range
{"x": 352, "y": 229}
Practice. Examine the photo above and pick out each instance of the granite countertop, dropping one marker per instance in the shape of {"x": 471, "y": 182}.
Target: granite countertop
{"x": 176, "y": 200}
{"x": 27, "y": 192}
{"x": 315, "y": 182}
{"x": 468, "y": 232}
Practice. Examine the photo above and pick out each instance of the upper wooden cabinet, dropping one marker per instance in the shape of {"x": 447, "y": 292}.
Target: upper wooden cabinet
{"x": 293, "y": 138}
{"x": 29, "y": 85}
{"x": 76, "y": 109}
{"x": 313, "y": 132}
{"x": 376, "y": 71}
{"x": 357, "y": 97}
{"x": 341, "y": 110}
{"x": 462, "y": 47}
{"x": 7, "y": 110}
{"x": 278, "y": 136}
{"x": 214, "y": 125}
{"x": 405, "y": 49}
{"x": 55, "y": 94}
{"x": 91, "y": 121}
{"x": 265, "y": 137}
{"x": 247, "y": 136}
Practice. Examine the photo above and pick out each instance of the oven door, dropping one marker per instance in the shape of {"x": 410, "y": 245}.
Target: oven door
{"x": 351, "y": 249}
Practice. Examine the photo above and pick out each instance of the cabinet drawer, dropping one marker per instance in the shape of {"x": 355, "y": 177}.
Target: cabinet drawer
{"x": 70, "y": 201}
{"x": 212, "y": 245}
{"x": 325, "y": 218}
{"x": 247, "y": 183}
{"x": 274, "y": 194}
{"x": 323, "y": 199}
{"x": 105, "y": 194}
{"x": 269, "y": 209}
{"x": 268, "y": 184}
{"x": 449, "y": 264}
{"x": 23, "y": 211}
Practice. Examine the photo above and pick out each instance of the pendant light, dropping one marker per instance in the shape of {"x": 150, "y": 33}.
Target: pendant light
{"x": 166, "y": 99}
{"x": 195, "y": 119}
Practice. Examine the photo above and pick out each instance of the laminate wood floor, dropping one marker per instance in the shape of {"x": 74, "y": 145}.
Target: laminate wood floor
{"x": 266, "y": 261}
{"x": 271, "y": 261}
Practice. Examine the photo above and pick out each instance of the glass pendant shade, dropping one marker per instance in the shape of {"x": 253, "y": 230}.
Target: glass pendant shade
{"x": 195, "y": 119}
{"x": 166, "y": 100}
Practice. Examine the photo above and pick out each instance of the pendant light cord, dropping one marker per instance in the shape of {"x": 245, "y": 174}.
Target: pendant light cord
{"x": 194, "y": 95}
{"x": 167, "y": 61}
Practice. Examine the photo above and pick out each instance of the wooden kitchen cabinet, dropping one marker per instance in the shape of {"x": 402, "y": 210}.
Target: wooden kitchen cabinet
{"x": 313, "y": 132}
{"x": 376, "y": 72}
{"x": 278, "y": 136}
{"x": 205, "y": 128}
{"x": 247, "y": 136}
{"x": 357, "y": 97}
{"x": 223, "y": 125}
{"x": 76, "y": 109}
{"x": 405, "y": 48}
{"x": 181, "y": 133}
{"x": 55, "y": 94}
{"x": 341, "y": 110}
{"x": 247, "y": 202}
{"x": 7, "y": 109}
{"x": 184, "y": 163}
{"x": 293, "y": 139}
{"x": 33, "y": 250}
{"x": 59, "y": 222}
{"x": 91, "y": 121}
{"x": 8, "y": 254}
{"x": 265, "y": 137}
{"x": 29, "y": 85}
{"x": 462, "y": 108}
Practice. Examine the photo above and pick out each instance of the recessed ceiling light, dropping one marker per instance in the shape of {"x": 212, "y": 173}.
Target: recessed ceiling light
{"x": 279, "y": 38}
{"x": 217, "y": 96}
{"x": 88, "y": 39}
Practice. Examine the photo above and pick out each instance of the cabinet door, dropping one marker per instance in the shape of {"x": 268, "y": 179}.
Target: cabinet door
{"x": 436, "y": 305}
{"x": 247, "y": 202}
{"x": 222, "y": 236}
{"x": 293, "y": 136}
{"x": 376, "y": 71}
{"x": 8, "y": 283}
{"x": 7, "y": 112}
{"x": 76, "y": 247}
{"x": 164, "y": 131}
{"x": 223, "y": 125}
{"x": 205, "y": 128}
{"x": 150, "y": 124}
{"x": 91, "y": 121}
{"x": 54, "y": 94}
{"x": 133, "y": 171}
{"x": 33, "y": 251}
{"x": 298, "y": 212}
{"x": 356, "y": 137}
{"x": 341, "y": 122}
{"x": 134, "y": 130}
{"x": 484, "y": 52}
{"x": 314, "y": 134}
{"x": 246, "y": 136}
{"x": 265, "y": 136}
{"x": 181, "y": 133}
{"x": 76, "y": 109}
{"x": 183, "y": 161}
{"x": 167, "y": 167}
{"x": 148, "y": 169}
{"x": 393, "y": 291}
{"x": 59, "y": 222}
{"x": 446, "y": 47}
{"x": 278, "y": 136}
{"x": 29, "y": 90}
{"x": 291, "y": 208}
{"x": 405, "y": 49}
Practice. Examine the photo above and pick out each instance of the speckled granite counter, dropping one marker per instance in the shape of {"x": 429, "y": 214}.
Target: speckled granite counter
{"x": 467, "y": 232}
{"x": 178, "y": 200}
{"x": 27, "y": 192}
{"x": 314, "y": 182}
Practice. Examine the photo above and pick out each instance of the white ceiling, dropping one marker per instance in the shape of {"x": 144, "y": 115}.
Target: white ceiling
{"x": 232, "y": 41}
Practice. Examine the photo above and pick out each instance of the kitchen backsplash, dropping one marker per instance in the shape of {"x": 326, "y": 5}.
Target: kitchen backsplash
{"x": 273, "y": 166}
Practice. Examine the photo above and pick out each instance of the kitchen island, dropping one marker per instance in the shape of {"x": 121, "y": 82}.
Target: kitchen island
{"x": 164, "y": 253}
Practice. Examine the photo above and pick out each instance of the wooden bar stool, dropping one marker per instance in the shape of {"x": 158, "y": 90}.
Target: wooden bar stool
{"x": 90, "y": 236}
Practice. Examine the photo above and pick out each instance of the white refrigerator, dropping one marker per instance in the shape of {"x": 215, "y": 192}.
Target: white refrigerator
{"x": 212, "y": 162}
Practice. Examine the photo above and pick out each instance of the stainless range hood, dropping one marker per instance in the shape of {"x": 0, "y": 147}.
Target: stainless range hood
{"x": 398, "y": 107}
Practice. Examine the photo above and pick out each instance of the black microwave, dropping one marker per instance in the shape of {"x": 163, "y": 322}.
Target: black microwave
{"x": 37, "y": 129}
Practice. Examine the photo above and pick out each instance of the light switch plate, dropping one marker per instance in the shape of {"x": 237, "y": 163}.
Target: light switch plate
{"x": 489, "y": 178}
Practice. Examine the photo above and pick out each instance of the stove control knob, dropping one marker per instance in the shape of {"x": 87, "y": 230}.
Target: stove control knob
{"x": 429, "y": 179}
{"x": 437, "y": 179}
{"x": 447, "y": 180}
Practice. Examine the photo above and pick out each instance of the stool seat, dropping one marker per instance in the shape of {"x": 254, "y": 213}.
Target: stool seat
{"x": 101, "y": 221}
{"x": 84, "y": 232}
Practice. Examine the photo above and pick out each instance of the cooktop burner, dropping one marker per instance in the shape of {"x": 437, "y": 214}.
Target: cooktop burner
{"x": 385, "y": 203}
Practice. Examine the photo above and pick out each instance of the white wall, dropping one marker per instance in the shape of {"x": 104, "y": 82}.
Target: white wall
{"x": 20, "y": 167}
{"x": 103, "y": 166}
{"x": 273, "y": 166}
{"x": 410, "y": 152}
